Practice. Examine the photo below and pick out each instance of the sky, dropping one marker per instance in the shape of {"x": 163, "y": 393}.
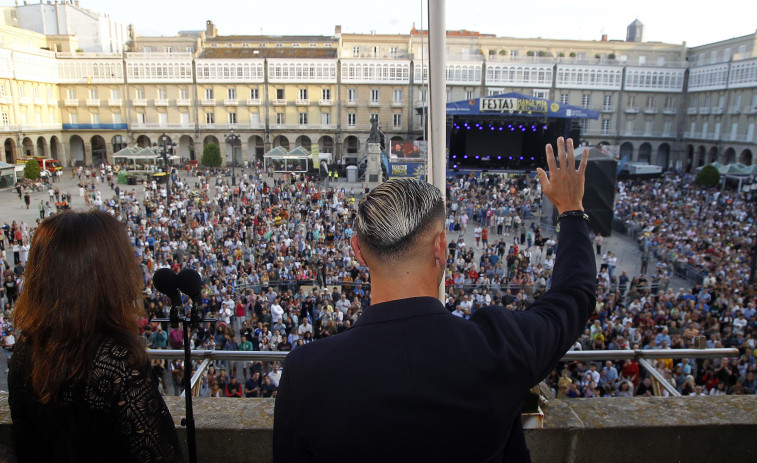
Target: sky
{"x": 696, "y": 22}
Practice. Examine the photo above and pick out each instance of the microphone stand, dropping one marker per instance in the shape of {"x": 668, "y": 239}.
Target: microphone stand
{"x": 189, "y": 420}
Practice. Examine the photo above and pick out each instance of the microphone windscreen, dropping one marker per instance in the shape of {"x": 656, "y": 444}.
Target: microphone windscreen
{"x": 165, "y": 280}
{"x": 190, "y": 282}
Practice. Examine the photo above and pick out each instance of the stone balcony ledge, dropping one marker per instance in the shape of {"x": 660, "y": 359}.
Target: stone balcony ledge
{"x": 685, "y": 429}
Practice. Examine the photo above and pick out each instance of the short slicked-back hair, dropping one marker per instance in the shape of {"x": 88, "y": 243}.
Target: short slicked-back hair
{"x": 393, "y": 215}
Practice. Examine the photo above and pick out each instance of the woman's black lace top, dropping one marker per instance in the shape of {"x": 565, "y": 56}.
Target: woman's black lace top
{"x": 116, "y": 415}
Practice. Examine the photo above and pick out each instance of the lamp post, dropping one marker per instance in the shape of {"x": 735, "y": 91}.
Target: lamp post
{"x": 167, "y": 150}
{"x": 232, "y": 139}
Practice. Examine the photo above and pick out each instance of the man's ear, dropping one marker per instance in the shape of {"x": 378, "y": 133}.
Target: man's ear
{"x": 440, "y": 247}
{"x": 356, "y": 250}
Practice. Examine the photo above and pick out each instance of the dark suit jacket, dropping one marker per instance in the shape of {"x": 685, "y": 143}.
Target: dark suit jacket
{"x": 411, "y": 382}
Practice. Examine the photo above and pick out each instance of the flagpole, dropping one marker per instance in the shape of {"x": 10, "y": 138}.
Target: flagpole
{"x": 438, "y": 96}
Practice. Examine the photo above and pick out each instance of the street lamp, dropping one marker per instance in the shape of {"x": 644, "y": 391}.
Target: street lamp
{"x": 232, "y": 139}
{"x": 167, "y": 150}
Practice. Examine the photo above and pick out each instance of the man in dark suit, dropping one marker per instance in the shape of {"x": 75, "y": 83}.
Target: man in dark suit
{"x": 411, "y": 382}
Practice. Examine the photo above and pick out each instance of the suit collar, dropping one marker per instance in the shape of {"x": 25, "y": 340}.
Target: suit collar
{"x": 400, "y": 309}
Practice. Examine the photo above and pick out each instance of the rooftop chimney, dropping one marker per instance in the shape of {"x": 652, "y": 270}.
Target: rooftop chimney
{"x": 604, "y": 37}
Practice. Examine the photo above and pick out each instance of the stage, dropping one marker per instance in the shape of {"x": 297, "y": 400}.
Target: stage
{"x": 504, "y": 133}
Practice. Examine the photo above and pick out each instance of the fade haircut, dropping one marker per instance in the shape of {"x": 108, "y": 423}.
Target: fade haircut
{"x": 393, "y": 215}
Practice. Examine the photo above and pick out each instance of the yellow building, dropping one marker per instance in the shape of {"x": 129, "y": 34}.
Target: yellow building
{"x": 667, "y": 104}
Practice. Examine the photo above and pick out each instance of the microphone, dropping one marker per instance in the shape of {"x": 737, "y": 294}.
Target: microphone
{"x": 166, "y": 281}
{"x": 190, "y": 283}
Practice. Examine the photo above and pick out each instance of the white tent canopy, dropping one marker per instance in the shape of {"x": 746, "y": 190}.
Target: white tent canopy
{"x": 297, "y": 160}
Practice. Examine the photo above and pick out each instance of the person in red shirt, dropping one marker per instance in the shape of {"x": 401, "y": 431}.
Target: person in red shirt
{"x": 233, "y": 388}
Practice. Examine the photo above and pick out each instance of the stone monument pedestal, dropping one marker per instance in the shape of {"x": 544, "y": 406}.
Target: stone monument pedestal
{"x": 373, "y": 177}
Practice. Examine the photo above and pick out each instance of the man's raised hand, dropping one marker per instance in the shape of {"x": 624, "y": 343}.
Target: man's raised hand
{"x": 565, "y": 184}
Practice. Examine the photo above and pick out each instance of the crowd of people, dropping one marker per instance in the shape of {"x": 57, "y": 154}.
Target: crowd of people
{"x": 278, "y": 271}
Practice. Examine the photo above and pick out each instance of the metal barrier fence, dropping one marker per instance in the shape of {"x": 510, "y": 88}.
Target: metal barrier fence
{"x": 641, "y": 355}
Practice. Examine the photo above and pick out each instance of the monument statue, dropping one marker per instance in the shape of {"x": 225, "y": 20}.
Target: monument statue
{"x": 374, "y": 137}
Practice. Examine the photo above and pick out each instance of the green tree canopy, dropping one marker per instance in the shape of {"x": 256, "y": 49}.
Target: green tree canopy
{"x": 708, "y": 176}
{"x": 211, "y": 155}
{"x": 31, "y": 170}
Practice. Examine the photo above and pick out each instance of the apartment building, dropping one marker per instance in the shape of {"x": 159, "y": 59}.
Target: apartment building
{"x": 674, "y": 106}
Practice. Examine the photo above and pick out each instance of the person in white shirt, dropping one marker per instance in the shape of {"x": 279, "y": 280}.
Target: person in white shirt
{"x": 276, "y": 311}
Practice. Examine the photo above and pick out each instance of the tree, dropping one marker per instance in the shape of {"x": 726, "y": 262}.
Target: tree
{"x": 708, "y": 176}
{"x": 211, "y": 155}
{"x": 31, "y": 170}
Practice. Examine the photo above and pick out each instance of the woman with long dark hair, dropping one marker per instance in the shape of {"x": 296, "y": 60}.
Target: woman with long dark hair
{"x": 81, "y": 384}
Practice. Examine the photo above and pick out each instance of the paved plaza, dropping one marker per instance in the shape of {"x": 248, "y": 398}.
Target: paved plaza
{"x": 12, "y": 208}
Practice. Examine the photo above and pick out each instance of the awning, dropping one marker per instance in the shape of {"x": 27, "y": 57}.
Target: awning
{"x": 517, "y": 104}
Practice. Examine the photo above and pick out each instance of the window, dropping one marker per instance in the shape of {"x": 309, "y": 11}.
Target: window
{"x": 375, "y": 95}
{"x": 279, "y": 118}
{"x": 375, "y": 116}
{"x": 513, "y": 54}
{"x": 232, "y": 93}
{"x": 393, "y": 52}
{"x": 20, "y": 91}
{"x": 666, "y": 128}
{"x": 355, "y": 52}
{"x": 325, "y": 118}
{"x": 586, "y": 101}
{"x": 6, "y": 119}
{"x": 707, "y": 102}
{"x": 140, "y": 118}
{"x": 303, "y": 119}
{"x": 326, "y": 94}
{"x": 210, "y": 118}
{"x": 35, "y": 92}
{"x": 449, "y": 94}
{"x": 352, "y": 95}
{"x": 184, "y": 94}
{"x": 721, "y": 102}
{"x": 169, "y": 49}
{"x": 117, "y": 118}
{"x": 115, "y": 94}
{"x": 209, "y": 94}
{"x": 71, "y": 94}
{"x": 543, "y": 94}
{"x": 303, "y": 94}
{"x": 564, "y": 98}
{"x": 607, "y": 103}
{"x": 280, "y": 94}
{"x": 661, "y": 61}
{"x": 162, "y": 119}
{"x": 162, "y": 94}
{"x": 232, "y": 118}
{"x": 254, "y": 95}
{"x": 398, "y": 96}
{"x": 397, "y": 120}
{"x": 605, "y": 126}
{"x": 650, "y": 102}
{"x": 642, "y": 60}
{"x": 670, "y": 102}
{"x": 648, "y": 127}
{"x": 468, "y": 95}
{"x": 93, "y": 93}
{"x": 351, "y": 119}
{"x": 2, "y": 89}
{"x": 139, "y": 94}
{"x": 184, "y": 119}
{"x": 631, "y": 101}
{"x": 74, "y": 118}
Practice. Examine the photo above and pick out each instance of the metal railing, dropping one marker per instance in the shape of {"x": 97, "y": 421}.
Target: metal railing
{"x": 641, "y": 355}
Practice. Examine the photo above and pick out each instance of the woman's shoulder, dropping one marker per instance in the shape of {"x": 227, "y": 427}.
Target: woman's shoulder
{"x": 112, "y": 360}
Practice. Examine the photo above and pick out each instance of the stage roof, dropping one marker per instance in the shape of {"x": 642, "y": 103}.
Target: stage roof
{"x": 517, "y": 104}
